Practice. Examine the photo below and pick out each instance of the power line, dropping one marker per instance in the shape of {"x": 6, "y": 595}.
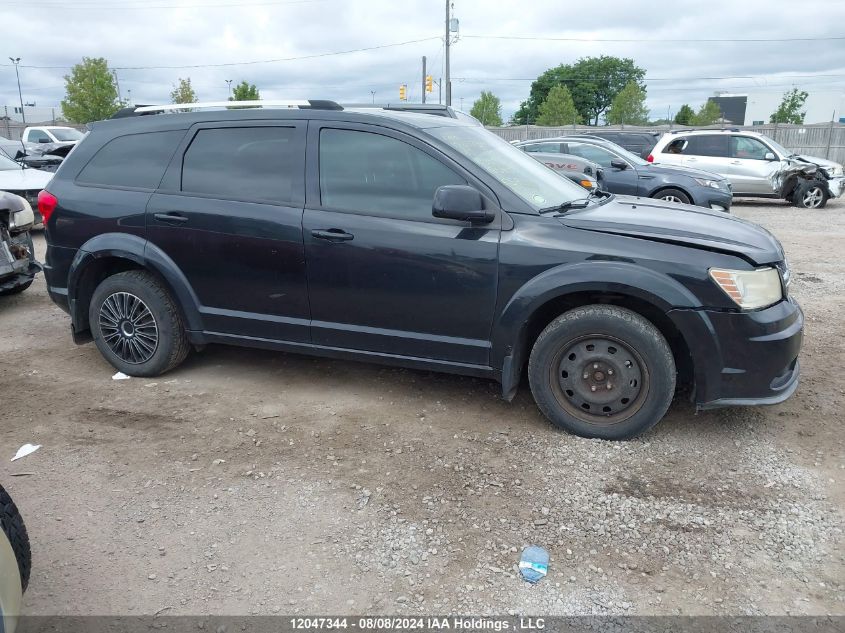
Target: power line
{"x": 593, "y": 78}
{"x": 650, "y": 42}
{"x": 253, "y": 62}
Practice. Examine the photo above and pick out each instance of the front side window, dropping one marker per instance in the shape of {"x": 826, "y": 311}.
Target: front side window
{"x": 244, "y": 163}
{"x": 744, "y": 147}
{"x": 379, "y": 175}
{"x": 136, "y": 160}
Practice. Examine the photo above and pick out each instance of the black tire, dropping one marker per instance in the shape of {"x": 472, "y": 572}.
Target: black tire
{"x": 13, "y": 527}
{"x": 672, "y": 195}
{"x": 810, "y": 194}
{"x": 120, "y": 337}
{"x": 602, "y": 371}
{"x": 17, "y": 289}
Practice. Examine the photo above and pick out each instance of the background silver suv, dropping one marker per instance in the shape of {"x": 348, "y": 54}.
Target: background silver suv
{"x": 755, "y": 164}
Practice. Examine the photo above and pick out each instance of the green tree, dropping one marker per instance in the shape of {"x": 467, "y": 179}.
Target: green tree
{"x": 183, "y": 93}
{"x": 628, "y": 107}
{"x": 685, "y": 115}
{"x": 558, "y": 108}
{"x": 90, "y": 92}
{"x": 487, "y": 109}
{"x": 245, "y": 92}
{"x": 593, "y": 82}
{"x": 708, "y": 114}
{"x": 789, "y": 110}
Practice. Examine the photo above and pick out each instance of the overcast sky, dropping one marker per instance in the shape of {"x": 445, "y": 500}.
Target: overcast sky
{"x": 155, "y": 33}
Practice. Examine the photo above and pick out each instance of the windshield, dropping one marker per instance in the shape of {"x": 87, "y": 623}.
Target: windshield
{"x": 66, "y": 134}
{"x": 7, "y": 163}
{"x": 629, "y": 156}
{"x": 529, "y": 179}
{"x": 779, "y": 149}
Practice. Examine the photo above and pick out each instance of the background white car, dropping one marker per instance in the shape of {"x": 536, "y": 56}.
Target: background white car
{"x": 756, "y": 165}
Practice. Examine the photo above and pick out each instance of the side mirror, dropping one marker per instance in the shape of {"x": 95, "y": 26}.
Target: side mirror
{"x": 770, "y": 156}
{"x": 43, "y": 140}
{"x": 618, "y": 164}
{"x": 460, "y": 202}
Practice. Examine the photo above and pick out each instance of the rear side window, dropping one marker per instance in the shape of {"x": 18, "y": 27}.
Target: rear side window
{"x": 549, "y": 148}
{"x": 244, "y": 163}
{"x": 379, "y": 175}
{"x": 707, "y": 145}
{"x": 137, "y": 160}
{"x": 592, "y": 152}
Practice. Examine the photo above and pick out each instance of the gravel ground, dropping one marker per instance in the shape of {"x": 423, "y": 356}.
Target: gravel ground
{"x": 250, "y": 482}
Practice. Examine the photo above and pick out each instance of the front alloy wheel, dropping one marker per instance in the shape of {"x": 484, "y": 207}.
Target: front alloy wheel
{"x": 812, "y": 197}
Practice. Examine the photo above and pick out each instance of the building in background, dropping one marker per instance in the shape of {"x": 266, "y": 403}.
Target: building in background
{"x": 755, "y": 108}
{"x": 32, "y": 111}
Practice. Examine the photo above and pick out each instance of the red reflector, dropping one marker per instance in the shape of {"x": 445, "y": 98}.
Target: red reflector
{"x": 650, "y": 158}
{"x": 46, "y": 204}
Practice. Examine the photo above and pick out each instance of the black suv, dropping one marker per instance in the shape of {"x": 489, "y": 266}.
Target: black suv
{"x": 412, "y": 240}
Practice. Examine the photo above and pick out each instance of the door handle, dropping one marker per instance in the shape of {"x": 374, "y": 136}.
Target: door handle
{"x": 736, "y": 162}
{"x": 170, "y": 218}
{"x": 333, "y": 235}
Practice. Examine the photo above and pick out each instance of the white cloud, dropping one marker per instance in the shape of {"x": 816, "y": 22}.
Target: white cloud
{"x": 48, "y": 33}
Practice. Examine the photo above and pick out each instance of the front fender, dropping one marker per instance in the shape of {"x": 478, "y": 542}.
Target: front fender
{"x": 146, "y": 255}
{"x": 600, "y": 277}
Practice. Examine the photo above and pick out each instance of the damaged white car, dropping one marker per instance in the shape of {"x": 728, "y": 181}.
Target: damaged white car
{"x": 18, "y": 266}
{"x": 756, "y": 165}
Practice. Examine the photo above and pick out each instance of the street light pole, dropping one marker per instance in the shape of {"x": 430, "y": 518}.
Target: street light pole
{"x": 373, "y": 92}
{"x": 446, "y": 78}
{"x": 229, "y": 83}
{"x": 16, "y": 61}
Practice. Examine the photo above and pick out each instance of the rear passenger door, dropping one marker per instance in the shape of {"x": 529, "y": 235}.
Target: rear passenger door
{"x": 710, "y": 152}
{"x": 229, "y": 214}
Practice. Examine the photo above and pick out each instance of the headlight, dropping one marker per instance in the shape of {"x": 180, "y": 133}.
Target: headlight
{"x": 22, "y": 219}
{"x": 750, "y": 289}
{"x": 713, "y": 184}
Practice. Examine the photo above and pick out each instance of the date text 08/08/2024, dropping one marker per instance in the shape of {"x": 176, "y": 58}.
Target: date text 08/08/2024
{"x": 427, "y": 623}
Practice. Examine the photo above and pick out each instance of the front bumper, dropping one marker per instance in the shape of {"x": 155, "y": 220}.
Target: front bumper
{"x": 836, "y": 186}
{"x": 716, "y": 199}
{"x": 743, "y": 358}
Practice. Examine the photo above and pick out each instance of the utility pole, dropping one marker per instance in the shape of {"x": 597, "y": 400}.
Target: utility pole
{"x": 117, "y": 83}
{"x": 423, "y": 80}
{"x": 129, "y": 98}
{"x": 16, "y": 61}
{"x": 446, "y": 59}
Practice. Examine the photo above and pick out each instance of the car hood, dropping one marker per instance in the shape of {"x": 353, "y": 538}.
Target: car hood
{"x": 680, "y": 170}
{"x": 682, "y": 224}
{"x": 828, "y": 165}
{"x": 23, "y": 179}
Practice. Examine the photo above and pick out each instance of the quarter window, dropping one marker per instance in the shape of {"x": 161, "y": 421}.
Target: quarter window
{"x": 379, "y": 175}
{"x": 136, "y": 160}
{"x": 244, "y": 163}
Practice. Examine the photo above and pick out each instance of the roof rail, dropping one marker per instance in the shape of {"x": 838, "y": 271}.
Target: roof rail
{"x": 706, "y": 129}
{"x": 315, "y": 104}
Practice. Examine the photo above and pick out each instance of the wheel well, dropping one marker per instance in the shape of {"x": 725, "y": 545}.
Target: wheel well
{"x": 93, "y": 274}
{"x": 553, "y": 308}
{"x": 675, "y": 187}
